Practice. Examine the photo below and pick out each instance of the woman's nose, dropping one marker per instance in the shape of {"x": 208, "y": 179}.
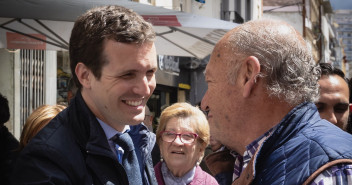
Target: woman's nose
{"x": 178, "y": 140}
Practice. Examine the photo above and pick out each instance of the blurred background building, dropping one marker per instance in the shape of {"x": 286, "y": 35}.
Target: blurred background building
{"x": 343, "y": 22}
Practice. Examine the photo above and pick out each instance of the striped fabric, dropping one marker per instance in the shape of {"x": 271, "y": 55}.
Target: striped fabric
{"x": 340, "y": 174}
{"x": 242, "y": 162}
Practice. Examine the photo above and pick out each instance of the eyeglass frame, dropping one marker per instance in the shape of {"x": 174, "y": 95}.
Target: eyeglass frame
{"x": 180, "y": 136}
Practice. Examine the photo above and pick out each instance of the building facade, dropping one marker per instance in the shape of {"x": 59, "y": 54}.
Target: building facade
{"x": 343, "y": 18}
{"x": 311, "y": 18}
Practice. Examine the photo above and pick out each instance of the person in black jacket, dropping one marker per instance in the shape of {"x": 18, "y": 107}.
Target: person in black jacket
{"x": 113, "y": 63}
{"x": 8, "y": 143}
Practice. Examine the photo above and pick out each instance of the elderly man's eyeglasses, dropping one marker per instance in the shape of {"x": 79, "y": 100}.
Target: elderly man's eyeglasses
{"x": 186, "y": 138}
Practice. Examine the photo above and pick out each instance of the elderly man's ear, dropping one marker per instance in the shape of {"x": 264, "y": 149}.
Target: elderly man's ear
{"x": 251, "y": 68}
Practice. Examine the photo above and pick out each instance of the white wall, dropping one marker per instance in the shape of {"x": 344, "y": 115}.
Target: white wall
{"x": 208, "y": 9}
{"x": 211, "y": 8}
{"x": 50, "y": 77}
{"x": 164, "y": 3}
{"x": 10, "y": 70}
{"x": 325, "y": 28}
{"x": 294, "y": 19}
{"x": 17, "y": 94}
{"x": 257, "y": 9}
{"x": 6, "y": 82}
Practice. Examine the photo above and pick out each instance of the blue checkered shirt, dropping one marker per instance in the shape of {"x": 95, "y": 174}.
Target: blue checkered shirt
{"x": 340, "y": 174}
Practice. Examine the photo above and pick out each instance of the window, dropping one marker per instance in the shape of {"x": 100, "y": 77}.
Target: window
{"x": 31, "y": 81}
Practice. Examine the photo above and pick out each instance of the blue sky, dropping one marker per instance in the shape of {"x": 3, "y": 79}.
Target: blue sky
{"x": 341, "y": 4}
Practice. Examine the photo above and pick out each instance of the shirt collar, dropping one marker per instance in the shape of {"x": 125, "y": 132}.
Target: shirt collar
{"x": 242, "y": 162}
{"x": 169, "y": 178}
{"x": 253, "y": 147}
{"x": 111, "y": 132}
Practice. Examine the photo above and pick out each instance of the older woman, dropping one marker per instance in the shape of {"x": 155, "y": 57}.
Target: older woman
{"x": 182, "y": 135}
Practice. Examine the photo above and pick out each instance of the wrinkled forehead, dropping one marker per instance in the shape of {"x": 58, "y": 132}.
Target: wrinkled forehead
{"x": 180, "y": 124}
{"x": 218, "y": 60}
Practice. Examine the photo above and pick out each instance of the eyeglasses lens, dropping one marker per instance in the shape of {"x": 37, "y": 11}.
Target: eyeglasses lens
{"x": 185, "y": 137}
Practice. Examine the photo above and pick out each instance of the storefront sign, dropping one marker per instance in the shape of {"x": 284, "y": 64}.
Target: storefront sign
{"x": 18, "y": 41}
{"x": 162, "y": 20}
{"x": 169, "y": 64}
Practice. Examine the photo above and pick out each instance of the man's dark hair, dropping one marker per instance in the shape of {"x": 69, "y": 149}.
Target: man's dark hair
{"x": 327, "y": 69}
{"x": 99, "y": 24}
{"x": 4, "y": 110}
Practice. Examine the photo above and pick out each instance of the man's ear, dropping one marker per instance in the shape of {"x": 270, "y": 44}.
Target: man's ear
{"x": 252, "y": 70}
{"x": 83, "y": 74}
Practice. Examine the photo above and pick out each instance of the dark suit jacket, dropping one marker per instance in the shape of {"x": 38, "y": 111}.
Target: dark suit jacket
{"x": 73, "y": 149}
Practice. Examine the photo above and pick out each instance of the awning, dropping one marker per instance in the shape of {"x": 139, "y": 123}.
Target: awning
{"x": 178, "y": 33}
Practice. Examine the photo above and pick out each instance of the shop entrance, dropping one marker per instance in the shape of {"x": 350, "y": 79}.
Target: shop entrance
{"x": 162, "y": 97}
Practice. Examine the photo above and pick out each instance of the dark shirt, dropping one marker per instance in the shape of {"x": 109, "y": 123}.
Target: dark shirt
{"x": 8, "y": 154}
{"x": 156, "y": 154}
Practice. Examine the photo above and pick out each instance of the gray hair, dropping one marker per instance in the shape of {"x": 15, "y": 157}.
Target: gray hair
{"x": 285, "y": 59}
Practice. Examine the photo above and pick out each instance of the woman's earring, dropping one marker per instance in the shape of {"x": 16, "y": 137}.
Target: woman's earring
{"x": 198, "y": 163}
{"x": 161, "y": 159}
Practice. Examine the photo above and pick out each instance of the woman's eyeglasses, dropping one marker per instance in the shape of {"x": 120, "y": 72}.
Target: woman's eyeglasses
{"x": 186, "y": 138}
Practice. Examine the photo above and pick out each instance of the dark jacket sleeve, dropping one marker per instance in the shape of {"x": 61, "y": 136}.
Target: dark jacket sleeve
{"x": 8, "y": 154}
{"x": 221, "y": 165}
{"x": 41, "y": 164}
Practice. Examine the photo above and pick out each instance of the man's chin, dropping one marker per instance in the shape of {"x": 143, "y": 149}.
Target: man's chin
{"x": 136, "y": 121}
